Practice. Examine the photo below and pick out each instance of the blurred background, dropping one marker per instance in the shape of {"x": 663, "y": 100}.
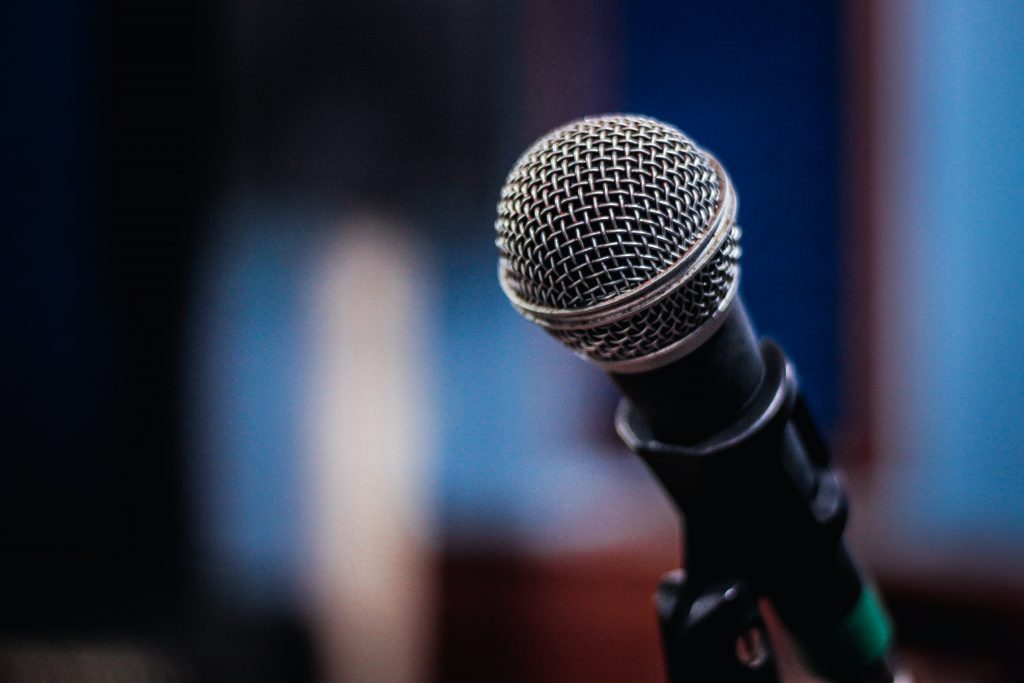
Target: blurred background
{"x": 271, "y": 419}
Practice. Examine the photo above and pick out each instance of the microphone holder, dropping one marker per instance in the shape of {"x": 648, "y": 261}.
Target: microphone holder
{"x": 764, "y": 513}
{"x": 713, "y": 632}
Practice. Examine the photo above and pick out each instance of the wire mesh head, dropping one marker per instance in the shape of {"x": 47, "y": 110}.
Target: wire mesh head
{"x": 616, "y": 234}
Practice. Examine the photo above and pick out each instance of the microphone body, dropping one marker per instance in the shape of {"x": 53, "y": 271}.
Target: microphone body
{"x": 760, "y": 499}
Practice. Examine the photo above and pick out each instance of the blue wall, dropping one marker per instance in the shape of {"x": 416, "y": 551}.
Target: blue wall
{"x": 962, "y": 288}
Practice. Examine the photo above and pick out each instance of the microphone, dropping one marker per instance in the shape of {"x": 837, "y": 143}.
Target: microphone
{"x": 618, "y": 236}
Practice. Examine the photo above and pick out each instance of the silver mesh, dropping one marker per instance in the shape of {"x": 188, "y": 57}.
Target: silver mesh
{"x": 600, "y": 206}
{"x": 666, "y": 322}
{"x": 599, "y": 214}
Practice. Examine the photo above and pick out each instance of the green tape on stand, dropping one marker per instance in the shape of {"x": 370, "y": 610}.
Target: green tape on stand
{"x": 861, "y": 639}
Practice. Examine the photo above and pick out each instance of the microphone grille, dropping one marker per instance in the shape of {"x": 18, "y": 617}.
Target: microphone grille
{"x": 615, "y": 233}
{"x": 600, "y": 206}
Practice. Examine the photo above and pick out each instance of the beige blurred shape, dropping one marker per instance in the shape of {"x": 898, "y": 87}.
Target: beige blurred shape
{"x": 371, "y": 584}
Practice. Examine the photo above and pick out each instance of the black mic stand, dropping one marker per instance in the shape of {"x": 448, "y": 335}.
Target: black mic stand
{"x": 764, "y": 514}
{"x": 713, "y": 632}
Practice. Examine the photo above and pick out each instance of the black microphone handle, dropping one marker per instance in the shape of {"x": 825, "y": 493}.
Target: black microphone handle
{"x": 703, "y": 392}
{"x": 727, "y": 434}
